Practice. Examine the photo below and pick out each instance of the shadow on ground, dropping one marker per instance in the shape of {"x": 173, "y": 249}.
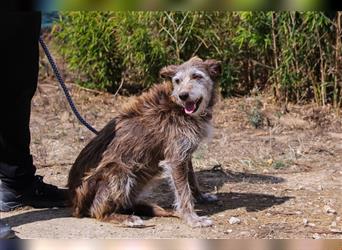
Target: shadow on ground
{"x": 227, "y": 176}
{"x": 214, "y": 179}
{"x": 163, "y": 196}
{"x": 37, "y": 215}
{"x": 251, "y": 201}
{"x": 217, "y": 177}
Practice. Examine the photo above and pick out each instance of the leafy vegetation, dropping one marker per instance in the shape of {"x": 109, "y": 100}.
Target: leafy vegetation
{"x": 296, "y": 56}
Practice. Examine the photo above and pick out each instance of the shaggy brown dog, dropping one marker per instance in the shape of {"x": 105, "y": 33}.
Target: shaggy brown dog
{"x": 156, "y": 133}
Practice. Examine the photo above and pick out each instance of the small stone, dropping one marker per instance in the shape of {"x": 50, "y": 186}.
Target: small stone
{"x": 234, "y": 220}
{"x": 333, "y": 224}
{"x": 270, "y": 161}
{"x": 307, "y": 223}
{"x": 228, "y": 231}
{"x": 316, "y": 236}
{"x": 220, "y": 203}
{"x": 335, "y": 230}
{"x": 329, "y": 210}
{"x": 338, "y": 218}
{"x": 320, "y": 187}
{"x": 245, "y": 233}
{"x": 64, "y": 116}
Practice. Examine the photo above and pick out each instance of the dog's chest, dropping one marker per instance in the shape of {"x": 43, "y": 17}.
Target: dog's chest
{"x": 199, "y": 133}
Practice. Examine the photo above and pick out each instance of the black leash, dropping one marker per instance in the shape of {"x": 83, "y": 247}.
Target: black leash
{"x": 64, "y": 87}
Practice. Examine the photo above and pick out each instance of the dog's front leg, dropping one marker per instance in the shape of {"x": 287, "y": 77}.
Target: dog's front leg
{"x": 196, "y": 192}
{"x": 184, "y": 204}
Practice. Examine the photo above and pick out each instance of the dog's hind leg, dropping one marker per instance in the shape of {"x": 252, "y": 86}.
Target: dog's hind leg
{"x": 82, "y": 198}
{"x": 199, "y": 196}
{"x": 114, "y": 194}
{"x": 151, "y": 210}
{"x": 131, "y": 217}
{"x": 105, "y": 209}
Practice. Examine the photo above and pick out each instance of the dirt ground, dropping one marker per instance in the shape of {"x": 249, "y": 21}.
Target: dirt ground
{"x": 281, "y": 180}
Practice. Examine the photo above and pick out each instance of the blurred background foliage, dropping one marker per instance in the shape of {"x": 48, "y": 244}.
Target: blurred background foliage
{"x": 294, "y": 56}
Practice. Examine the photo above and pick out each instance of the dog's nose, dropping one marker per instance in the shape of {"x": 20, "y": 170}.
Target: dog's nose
{"x": 183, "y": 96}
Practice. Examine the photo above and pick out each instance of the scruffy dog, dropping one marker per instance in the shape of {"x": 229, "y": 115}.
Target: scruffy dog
{"x": 156, "y": 133}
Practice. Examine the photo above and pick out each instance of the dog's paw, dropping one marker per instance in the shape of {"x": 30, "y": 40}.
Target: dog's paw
{"x": 134, "y": 221}
{"x": 199, "y": 221}
{"x": 207, "y": 198}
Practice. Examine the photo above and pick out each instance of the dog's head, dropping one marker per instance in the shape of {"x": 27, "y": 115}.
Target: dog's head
{"x": 193, "y": 83}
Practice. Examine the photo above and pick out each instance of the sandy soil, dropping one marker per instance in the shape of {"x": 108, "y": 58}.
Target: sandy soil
{"x": 281, "y": 180}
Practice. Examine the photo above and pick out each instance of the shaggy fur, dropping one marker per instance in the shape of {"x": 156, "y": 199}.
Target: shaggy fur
{"x": 156, "y": 133}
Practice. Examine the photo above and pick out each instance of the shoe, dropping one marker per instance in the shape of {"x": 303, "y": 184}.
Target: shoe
{"x": 5, "y": 231}
{"x": 9, "y": 198}
{"x": 37, "y": 195}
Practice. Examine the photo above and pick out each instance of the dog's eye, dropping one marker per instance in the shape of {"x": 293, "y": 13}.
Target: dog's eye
{"x": 176, "y": 80}
{"x": 196, "y": 76}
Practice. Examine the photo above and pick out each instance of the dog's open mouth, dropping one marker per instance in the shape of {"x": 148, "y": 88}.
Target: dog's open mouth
{"x": 191, "y": 107}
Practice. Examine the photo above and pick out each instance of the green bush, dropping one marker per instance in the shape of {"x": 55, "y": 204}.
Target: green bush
{"x": 110, "y": 47}
{"x": 143, "y": 53}
{"x": 87, "y": 40}
{"x": 297, "y": 55}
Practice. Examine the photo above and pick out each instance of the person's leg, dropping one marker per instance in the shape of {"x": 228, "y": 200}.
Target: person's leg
{"x": 18, "y": 84}
{"x": 18, "y": 81}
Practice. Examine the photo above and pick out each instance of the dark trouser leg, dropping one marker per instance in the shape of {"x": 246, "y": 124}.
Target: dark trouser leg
{"x": 18, "y": 82}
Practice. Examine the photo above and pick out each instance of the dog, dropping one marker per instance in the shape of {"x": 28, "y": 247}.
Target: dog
{"x": 154, "y": 134}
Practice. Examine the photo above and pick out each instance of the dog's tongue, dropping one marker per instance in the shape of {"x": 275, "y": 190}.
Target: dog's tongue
{"x": 190, "y": 107}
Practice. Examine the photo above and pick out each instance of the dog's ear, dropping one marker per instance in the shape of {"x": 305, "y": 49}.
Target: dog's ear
{"x": 168, "y": 71}
{"x": 214, "y": 68}
{"x": 195, "y": 59}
